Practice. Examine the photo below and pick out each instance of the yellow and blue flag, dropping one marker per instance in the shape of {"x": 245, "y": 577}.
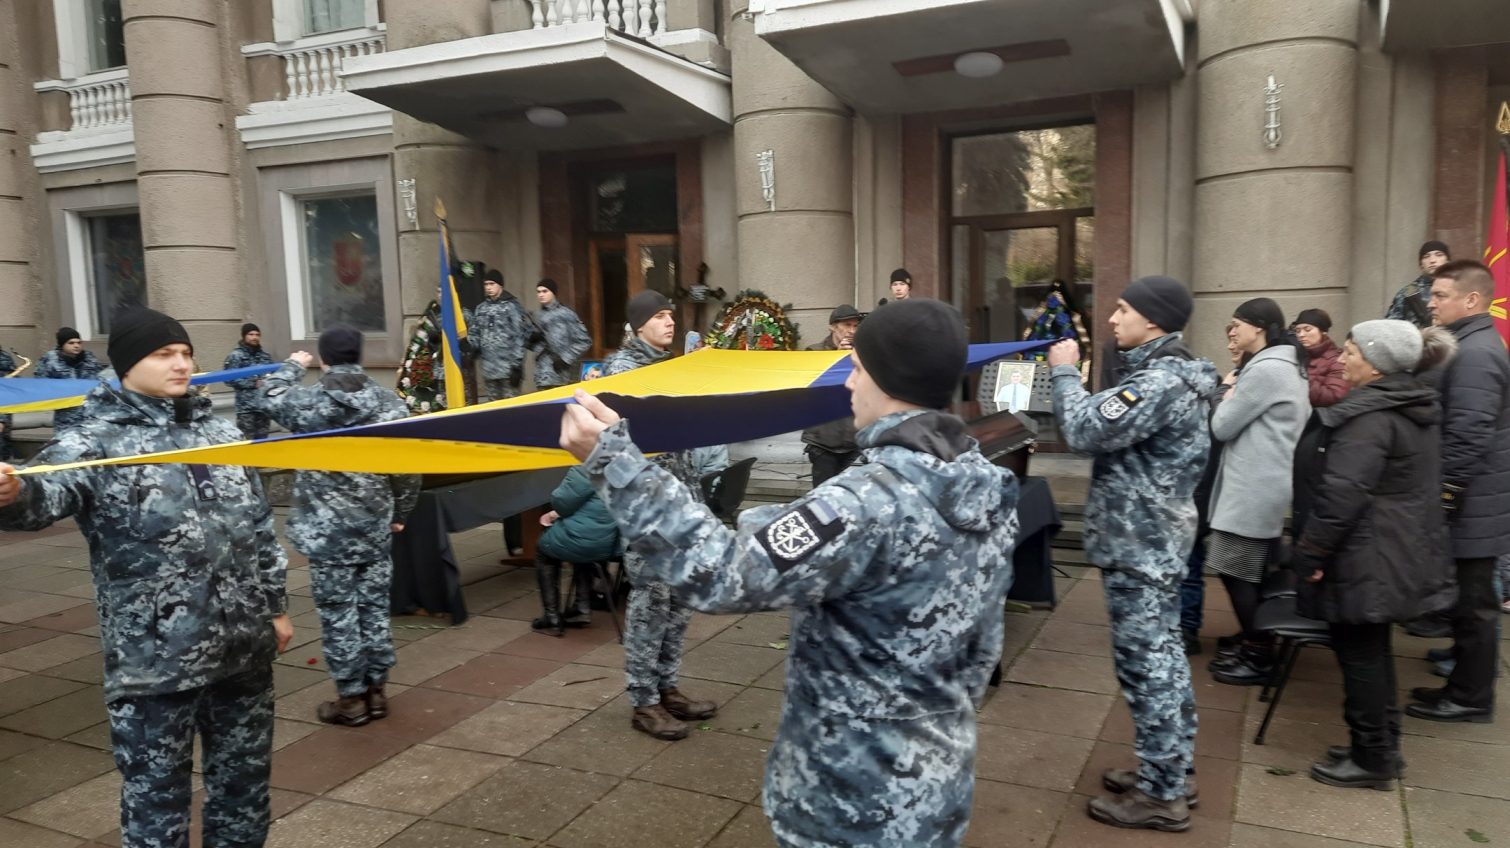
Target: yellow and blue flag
{"x": 710, "y": 397}
{"x": 453, "y": 324}
{"x": 27, "y": 394}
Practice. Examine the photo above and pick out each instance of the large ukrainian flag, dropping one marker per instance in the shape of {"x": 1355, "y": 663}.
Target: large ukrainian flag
{"x": 710, "y": 397}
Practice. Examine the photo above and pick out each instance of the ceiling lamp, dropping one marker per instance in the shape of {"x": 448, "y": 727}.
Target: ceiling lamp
{"x": 978, "y": 65}
{"x": 545, "y": 116}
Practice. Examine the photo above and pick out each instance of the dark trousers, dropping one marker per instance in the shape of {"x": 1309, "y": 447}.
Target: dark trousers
{"x": 1475, "y": 640}
{"x": 1368, "y": 688}
{"x": 827, "y": 464}
{"x": 153, "y": 741}
{"x": 1193, "y": 589}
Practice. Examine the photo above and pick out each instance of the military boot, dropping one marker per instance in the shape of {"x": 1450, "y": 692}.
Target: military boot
{"x": 1124, "y": 780}
{"x": 1136, "y": 809}
{"x": 377, "y": 702}
{"x": 1338, "y": 753}
{"x": 351, "y": 712}
{"x": 657, "y": 722}
{"x": 685, "y": 708}
{"x": 548, "y": 575}
{"x": 580, "y": 615}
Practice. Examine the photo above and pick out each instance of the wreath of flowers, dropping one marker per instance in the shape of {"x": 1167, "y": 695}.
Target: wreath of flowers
{"x": 417, "y": 381}
{"x": 753, "y": 321}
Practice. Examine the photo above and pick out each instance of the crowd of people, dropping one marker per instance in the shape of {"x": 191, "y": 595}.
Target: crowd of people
{"x": 1361, "y": 479}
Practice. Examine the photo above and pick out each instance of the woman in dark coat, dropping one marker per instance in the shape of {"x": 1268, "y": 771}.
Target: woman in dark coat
{"x": 1374, "y": 543}
{"x": 1323, "y": 357}
{"x": 578, "y": 530}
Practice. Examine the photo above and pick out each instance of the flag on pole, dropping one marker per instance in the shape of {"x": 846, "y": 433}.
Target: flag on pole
{"x": 453, "y": 324}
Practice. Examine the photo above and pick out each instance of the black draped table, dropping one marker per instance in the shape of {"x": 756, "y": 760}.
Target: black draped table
{"x": 426, "y": 575}
{"x": 425, "y": 571}
{"x": 1033, "y": 560}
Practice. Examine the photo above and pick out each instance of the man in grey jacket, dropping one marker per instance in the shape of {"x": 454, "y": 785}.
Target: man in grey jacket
{"x": 1475, "y": 390}
{"x": 1149, "y": 438}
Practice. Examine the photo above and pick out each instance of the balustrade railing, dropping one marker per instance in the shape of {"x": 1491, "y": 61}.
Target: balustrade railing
{"x": 314, "y": 70}
{"x": 641, "y": 18}
{"x": 100, "y": 100}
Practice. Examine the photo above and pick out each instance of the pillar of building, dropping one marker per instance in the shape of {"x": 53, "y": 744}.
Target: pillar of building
{"x": 797, "y": 246}
{"x": 185, "y": 128}
{"x": 458, "y": 170}
{"x": 19, "y": 289}
{"x": 1273, "y": 207}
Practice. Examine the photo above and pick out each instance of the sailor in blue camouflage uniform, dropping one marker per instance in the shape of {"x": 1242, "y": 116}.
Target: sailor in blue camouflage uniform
{"x": 1150, "y": 441}
{"x": 498, "y": 330}
{"x": 250, "y": 419}
{"x": 68, "y": 361}
{"x": 189, "y": 588}
{"x": 344, "y": 523}
{"x": 560, "y": 340}
{"x": 655, "y": 619}
{"x": 896, "y": 572}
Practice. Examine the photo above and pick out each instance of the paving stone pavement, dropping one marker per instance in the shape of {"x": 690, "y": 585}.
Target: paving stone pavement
{"x": 501, "y": 737}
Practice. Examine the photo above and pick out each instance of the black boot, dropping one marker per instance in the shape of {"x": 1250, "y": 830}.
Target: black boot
{"x": 548, "y": 574}
{"x": 1251, "y": 667}
{"x": 1350, "y": 775}
{"x": 581, "y": 613}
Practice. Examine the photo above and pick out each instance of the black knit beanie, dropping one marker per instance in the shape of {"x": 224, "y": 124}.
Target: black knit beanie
{"x": 547, "y": 283}
{"x": 493, "y": 276}
{"x": 644, "y": 306}
{"x": 249, "y": 327}
{"x": 1316, "y": 318}
{"x": 137, "y": 332}
{"x": 1162, "y": 300}
{"x": 915, "y": 351}
{"x": 341, "y": 344}
{"x": 1434, "y": 245}
{"x": 66, "y": 335}
{"x": 902, "y": 275}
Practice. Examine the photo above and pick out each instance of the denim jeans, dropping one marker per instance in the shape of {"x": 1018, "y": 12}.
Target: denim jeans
{"x": 1193, "y": 588}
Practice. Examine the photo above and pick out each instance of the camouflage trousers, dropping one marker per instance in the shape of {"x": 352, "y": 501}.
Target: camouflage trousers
{"x": 1150, "y": 661}
{"x": 355, "y": 628}
{"x": 835, "y": 779}
{"x": 500, "y": 389}
{"x": 153, "y": 740}
{"x": 655, "y": 630}
{"x": 253, "y": 425}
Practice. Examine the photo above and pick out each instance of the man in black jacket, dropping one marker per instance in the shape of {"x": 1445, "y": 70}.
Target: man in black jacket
{"x": 1475, "y": 390}
{"x": 831, "y": 447}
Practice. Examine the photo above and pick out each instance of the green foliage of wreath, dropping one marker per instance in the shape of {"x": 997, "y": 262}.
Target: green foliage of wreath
{"x": 753, "y": 321}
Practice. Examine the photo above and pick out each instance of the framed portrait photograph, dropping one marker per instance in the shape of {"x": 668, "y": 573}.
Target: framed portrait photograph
{"x": 592, "y": 369}
{"x": 1014, "y": 386}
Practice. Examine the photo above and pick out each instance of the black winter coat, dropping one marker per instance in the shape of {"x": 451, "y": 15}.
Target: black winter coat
{"x": 1375, "y": 528}
{"x": 1475, "y": 389}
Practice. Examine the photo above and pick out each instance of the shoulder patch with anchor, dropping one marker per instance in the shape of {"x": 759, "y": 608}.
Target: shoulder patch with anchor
{"x": 789, "y": 539}
{"x": 1119, "y": 404}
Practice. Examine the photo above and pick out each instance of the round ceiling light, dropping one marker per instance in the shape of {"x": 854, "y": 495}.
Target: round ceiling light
{"x": 545, "y": 116}
{"x": 978, "y": 65}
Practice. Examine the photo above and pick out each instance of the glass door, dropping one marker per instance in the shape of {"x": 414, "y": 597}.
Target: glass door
{"x": 621, "y": 267}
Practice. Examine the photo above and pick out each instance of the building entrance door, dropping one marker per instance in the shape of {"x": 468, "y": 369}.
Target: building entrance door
{"x": 621, "y": 266}
{"x": 1008, "y": 265}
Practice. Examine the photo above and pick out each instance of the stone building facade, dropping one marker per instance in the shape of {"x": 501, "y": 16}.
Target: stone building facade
{"x": 277, "y": 160}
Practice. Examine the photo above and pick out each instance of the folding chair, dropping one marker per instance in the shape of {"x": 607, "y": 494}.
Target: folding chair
{"x": 1292, "y": 632}
{"x": 611, "y": 583}
{"x": 724, "y": 491}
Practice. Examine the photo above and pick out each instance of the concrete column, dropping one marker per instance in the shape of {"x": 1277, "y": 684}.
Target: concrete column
{"x": 185, "y": 130}
{"x": 1278, "y": 221}
{"x": 803, "y": 252}
{"x": 19, "y": 289}
{"x": 460, "y": 171}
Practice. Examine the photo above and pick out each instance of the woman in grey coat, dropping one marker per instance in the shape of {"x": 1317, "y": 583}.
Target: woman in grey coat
{"x": 1258, "y": 418}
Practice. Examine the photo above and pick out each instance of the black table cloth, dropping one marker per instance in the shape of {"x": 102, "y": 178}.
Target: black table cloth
{"x": 425, "y": 572}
